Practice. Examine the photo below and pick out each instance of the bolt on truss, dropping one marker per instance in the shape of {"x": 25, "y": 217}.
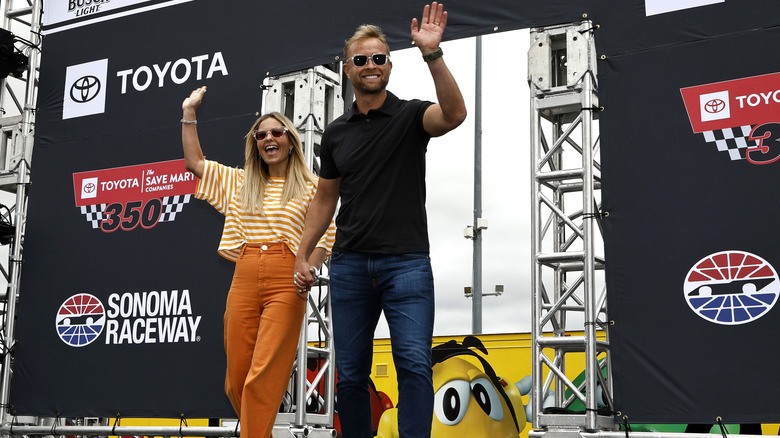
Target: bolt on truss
{"x": 568, "y": 296}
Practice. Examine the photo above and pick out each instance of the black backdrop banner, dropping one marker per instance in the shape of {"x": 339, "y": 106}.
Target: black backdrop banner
{"x": 626, "y": 27}
{"x": 689, "y": 148}
{"x": 122, "y": 291}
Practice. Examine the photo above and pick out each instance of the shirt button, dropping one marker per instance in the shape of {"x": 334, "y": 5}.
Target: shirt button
{"x": 264, "y": 247}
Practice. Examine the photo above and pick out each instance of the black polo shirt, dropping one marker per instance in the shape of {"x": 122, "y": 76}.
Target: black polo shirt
{"x": 380, "y": 158}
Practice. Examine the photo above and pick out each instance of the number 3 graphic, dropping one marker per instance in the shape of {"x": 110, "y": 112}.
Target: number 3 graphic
{"x": 767, "y": 150}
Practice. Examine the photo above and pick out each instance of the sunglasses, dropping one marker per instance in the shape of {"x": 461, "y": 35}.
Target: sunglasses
{"x": 275, "y": 132}
{"x": 377, "y": 58}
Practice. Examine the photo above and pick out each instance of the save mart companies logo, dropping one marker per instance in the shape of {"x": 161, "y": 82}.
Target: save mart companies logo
{"x": 133, "y": 197}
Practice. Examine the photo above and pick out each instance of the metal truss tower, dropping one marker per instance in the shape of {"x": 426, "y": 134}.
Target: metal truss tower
{"x": 311, "y": 99}
{"x": 568, "y": 296}
{"x": 17, "y": 121}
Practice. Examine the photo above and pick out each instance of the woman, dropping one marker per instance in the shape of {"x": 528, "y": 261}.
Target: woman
{"x": 265, "y": 206}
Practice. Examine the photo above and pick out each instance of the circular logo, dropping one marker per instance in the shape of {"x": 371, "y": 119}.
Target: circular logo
{"x": 80, "y": 320}
{"x": 731, "y": 287}
{"x": 89, "y": 187}
{"x": 715, "y": 106}
{"x": 85, "y": 89}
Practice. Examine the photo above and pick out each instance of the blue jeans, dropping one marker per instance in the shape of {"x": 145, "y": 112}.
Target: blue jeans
{"x": 362, "y": 286}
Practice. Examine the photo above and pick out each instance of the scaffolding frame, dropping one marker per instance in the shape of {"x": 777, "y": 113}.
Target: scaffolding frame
{"x": 18, "y": 128}
{"x": 566, "y": 233}
{"x": 311, "y": 98}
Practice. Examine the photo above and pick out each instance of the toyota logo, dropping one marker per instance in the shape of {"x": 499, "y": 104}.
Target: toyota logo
{"x": 715, "y": 106}
{"x": 85, "y": 89}
{"x": 89, "y": 188}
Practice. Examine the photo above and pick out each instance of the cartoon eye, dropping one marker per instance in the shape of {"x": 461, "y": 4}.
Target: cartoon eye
{"x": 451, "y": 402}
{"x": 487, "y": 398}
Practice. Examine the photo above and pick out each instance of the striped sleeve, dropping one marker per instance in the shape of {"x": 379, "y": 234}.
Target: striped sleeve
{"x": 329, "y": 238}
{"x": 218, "y": 185}
{"x": 277, "y": 222}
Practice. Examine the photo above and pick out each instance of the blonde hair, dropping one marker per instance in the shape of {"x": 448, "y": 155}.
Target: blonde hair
{"x": 256, "y": 174}
{"x": 364, "y": 32}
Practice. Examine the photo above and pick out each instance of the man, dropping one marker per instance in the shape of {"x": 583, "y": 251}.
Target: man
{"x": 373, "y": 158}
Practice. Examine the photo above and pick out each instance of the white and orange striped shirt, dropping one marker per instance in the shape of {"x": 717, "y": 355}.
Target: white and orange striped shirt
{"x": 280, "y": 223}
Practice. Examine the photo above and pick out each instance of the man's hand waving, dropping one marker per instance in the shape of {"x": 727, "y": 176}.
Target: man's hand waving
{"x": 427, "y": 35}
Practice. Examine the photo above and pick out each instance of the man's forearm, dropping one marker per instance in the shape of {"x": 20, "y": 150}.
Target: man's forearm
{"x": 317, "y": 221}
{"x": 453, "y": 107}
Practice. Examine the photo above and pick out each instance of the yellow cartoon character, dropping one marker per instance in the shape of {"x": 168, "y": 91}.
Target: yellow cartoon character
{"x": 469, "y": 401}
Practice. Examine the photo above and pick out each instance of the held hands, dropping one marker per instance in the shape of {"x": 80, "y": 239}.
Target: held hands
{"x": 428, "y": 35}
{"x": 304, "y": 277}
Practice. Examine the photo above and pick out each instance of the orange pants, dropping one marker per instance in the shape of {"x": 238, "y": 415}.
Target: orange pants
{"x": 263, "y": 318}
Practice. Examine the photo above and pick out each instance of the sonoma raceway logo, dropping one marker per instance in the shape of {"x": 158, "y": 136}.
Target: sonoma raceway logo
{"x": 125, "y": 198}
{"x": 86, "y": 84}
{"x": 132, "y": 318}
{"x": 731, "y": 287}
{"x": 739, "y": 117}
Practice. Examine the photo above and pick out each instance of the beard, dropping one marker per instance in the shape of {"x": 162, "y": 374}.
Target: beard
{"x": 360, "y": 86}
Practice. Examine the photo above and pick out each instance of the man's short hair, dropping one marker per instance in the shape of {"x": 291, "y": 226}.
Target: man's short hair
{"x": 364, "y": 32}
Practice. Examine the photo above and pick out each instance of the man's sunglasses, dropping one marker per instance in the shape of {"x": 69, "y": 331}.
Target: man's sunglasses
{"x": 378, "y": 58}
{"x": 275, "y": 132}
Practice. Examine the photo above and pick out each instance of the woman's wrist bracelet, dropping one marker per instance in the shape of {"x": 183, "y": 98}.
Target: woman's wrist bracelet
{"x": 189, "y": 122}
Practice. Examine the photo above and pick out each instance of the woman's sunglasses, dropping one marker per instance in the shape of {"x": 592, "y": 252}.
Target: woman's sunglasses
{"x": 377, "y": 58}
{"x": 275, "y": 132}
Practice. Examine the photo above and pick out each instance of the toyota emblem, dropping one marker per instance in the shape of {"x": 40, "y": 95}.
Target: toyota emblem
{"x": 715, "y": 106}
{"x": 85, "y": 89}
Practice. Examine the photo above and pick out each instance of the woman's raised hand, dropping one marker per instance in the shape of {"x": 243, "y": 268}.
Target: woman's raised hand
{"x": 192, "y": 102}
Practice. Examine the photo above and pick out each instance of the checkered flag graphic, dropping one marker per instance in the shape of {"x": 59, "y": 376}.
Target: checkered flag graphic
{"x": 732, "y": 140}
{"x": 94, "y": 214}
{"x": 173, "y": 205}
